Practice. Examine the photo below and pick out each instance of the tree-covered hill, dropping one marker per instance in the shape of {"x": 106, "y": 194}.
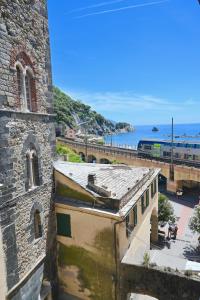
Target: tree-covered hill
{"x": 72, "y": 112}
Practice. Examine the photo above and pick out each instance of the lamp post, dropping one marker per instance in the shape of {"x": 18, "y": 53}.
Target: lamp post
{"x": 80, "y": 124}
{"x": 172, "y": 153}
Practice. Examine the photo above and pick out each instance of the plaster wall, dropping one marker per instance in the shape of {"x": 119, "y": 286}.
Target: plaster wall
{"x": 86, "y": 261}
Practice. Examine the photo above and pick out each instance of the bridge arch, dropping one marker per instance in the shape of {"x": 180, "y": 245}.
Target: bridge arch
{"x": 91, "y": 159}
{"x": 82, "y": 156}
{"x": 105, "y": 161}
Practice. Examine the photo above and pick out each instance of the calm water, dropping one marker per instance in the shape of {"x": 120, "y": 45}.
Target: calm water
{"x": 145, "y": 132}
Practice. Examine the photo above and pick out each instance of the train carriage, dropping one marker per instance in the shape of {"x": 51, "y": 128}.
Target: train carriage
{"x": 187, "y": 151}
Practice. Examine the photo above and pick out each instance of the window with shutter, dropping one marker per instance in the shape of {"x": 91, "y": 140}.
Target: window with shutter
{"x": 147, "y": 198}
{"x": 63, "y": 225}
{"x": 135, "y": 215}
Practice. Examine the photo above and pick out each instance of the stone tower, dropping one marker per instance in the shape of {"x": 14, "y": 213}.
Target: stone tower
{"x": 26, "y": 148}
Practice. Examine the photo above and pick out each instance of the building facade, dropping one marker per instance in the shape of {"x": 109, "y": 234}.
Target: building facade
{"x": 103, "y": 212}
{"x": 26, "y": 148}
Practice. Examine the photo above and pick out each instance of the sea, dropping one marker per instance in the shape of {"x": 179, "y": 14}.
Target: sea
{"x": 182, "y": 132}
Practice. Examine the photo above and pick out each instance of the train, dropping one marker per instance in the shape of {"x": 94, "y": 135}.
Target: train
{"x": 187, "y": 151}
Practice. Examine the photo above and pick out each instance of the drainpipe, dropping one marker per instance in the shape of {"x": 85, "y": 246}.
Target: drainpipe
{"x": 117, "y": 281}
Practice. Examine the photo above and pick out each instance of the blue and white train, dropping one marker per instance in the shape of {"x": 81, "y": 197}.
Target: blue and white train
{"x": 187, "y": 151}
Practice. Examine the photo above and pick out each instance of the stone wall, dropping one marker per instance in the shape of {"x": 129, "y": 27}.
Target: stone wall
{"x": 157, "y": 283}
{"x": 24, "y": 33}
{"x": 24, "y": 38}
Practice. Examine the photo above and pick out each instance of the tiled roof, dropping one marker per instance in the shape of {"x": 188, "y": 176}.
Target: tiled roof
{"x": 116, "y": 179}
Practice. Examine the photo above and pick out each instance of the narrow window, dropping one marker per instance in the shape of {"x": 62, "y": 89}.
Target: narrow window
{"x": 147, "y": 198}
{"x": 37, "y": 225}
{"x": 127, "y": 225}
{"x": 142, "y": 204}
{"x": 28, "y": 91}
{"x": 19, "y": 81}
{"x": 135, "y": 215}
{"x": 64, "y": 225}
{"x": 35, "y": 170}
{"x": 28, "y": 172}
{"x": 152, "y": 191}
{"x": 32, "y": 170}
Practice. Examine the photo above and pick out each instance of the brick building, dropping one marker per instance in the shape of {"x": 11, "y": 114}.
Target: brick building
{"x": 26, "y": 148}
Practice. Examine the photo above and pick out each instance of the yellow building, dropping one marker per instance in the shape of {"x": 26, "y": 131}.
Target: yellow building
{"x": 102, "y": 211}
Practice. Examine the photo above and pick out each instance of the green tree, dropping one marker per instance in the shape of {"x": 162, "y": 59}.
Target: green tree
{"x": 195, "y": 220}
{"x": 165, "y": 210}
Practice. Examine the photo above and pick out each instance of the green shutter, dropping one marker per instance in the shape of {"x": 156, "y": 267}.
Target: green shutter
{"x": 142, "y": 204}
{"x": 135, "y": 215}
{"x": 152, "y": 190}
{"x": 64, "y": 225}
{"x": 147, "y": 198}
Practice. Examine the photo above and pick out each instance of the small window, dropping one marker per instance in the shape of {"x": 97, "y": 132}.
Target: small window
{"x": 32, "y": 170}
{"x": 19, "y": 81}
{"x": 142, "y": 204}
{"x": 135, "y": 215}
{"x": 37, "y": 225}
{"x": 147, "y": 198}
{"x": 28, "y": 91}
{"x": 64, "y": 225}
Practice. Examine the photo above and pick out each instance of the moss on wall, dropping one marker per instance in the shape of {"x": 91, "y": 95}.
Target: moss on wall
{"x": 96, "y": 269}
{"x": 65, "y": 191}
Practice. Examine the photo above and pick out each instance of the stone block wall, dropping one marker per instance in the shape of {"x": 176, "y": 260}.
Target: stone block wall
{"x": 24, "y": 36}
{"x": 24, "y": 39}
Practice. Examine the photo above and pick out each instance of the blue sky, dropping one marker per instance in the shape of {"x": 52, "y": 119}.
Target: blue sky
{"x": 131, "y": 60}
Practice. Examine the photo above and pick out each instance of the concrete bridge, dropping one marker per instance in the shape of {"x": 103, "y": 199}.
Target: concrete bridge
{"x": 187, "y": 176}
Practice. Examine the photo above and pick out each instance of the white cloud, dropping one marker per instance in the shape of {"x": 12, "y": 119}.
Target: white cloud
{"x": 122, "y": 101}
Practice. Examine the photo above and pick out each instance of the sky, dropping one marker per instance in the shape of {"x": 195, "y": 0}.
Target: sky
{"x": 131, "y": 60}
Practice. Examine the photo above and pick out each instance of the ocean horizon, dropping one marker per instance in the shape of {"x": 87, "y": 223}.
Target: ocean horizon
{"x": 182, "y": 132}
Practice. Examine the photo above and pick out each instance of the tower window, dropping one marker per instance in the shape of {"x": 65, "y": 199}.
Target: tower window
{"x": 26, "y": 87}
{"x": 37, "y": 225}
{"x": 19, "y": 81}
{"x": 28, "y": 91}
{"x": 32, "y": 167}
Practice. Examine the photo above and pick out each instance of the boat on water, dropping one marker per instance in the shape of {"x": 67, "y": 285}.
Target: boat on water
{"x": 155, "y": 129}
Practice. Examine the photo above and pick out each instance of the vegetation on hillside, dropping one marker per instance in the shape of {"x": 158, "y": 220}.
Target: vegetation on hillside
{"x": 72, "y": 112}
{"x": 71, "y": 155}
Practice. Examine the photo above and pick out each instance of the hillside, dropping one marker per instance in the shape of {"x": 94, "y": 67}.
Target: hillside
{"x": 72, "y": 112}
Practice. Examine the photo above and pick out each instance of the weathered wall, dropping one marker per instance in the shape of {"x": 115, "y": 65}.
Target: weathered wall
{"x": 158, "y": 284}
{"x": 86, "y": 261}
{"x": 24, "y": 38}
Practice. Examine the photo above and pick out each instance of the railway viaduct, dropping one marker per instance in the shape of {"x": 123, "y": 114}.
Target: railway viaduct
{"x": 105, "y": 154}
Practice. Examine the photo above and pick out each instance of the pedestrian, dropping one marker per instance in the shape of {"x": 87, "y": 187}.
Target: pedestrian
{"x": 175, "y": 231}
{"x": 169, "y": 232}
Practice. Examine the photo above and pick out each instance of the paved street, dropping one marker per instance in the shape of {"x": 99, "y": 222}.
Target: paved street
{"x": 176, "y": 253}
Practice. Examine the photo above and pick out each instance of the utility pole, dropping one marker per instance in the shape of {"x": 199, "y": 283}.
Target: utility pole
{"x": 172, "y": 153}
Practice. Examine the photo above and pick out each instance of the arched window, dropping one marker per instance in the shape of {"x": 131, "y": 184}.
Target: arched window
{"x": 37, "y": 225}
{"x": 28, "y": 82}
{"x": 19, "y": 81}
{"x": 26, "y": 85}
{"x": 32, "y": 170}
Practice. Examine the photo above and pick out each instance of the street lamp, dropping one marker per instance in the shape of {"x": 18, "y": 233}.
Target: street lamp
{"x": 80, "y": 124}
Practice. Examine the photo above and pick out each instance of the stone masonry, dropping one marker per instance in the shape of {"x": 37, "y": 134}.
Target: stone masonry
{"x": 24, "y": 39}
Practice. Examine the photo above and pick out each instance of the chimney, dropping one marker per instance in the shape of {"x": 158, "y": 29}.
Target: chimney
{"x": 91, "y": 179}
